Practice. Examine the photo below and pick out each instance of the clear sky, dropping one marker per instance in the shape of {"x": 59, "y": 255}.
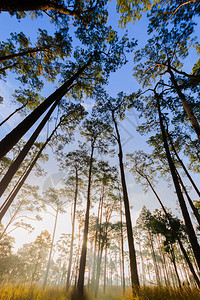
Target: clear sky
{"x": 122, "y": 80}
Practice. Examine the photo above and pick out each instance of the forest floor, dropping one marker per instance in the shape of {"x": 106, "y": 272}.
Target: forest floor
{"x": 148, "y": 293}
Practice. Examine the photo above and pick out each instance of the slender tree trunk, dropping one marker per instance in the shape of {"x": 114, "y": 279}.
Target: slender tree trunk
{"x": 178, "y": 239}
{"x": 80, "y": 286}
{"x": 165, "y": 275}
{"x": 51, "y": 249}
{"x": 132, "y": 255}
{"x": 89, "y": 271}
{"x": 73, "y": 231}
{"x": 99, "y": 243}
{"x": 154, "y": 259}
{"x": 105, "y": 270}
{"x": 187, "y": 108}
{"x": 122, "y": 247}
{"x": 17, "y": 133}
{"x": 171, "y": 273}
{"x": 196, "y": 278}
{"x": 149, "y": 273}
{"x": 7, "y": 226}
{"x": 142, "y": 263}
{"x": 194, "y": 209}
{"x": 17, "y": 162}
{"x": 95, "y": 247}
{"x": 13, "y": 113}
{"x": 111, "y": 281}
{"x": 175, "y": 266}
{"x": 183, "y": 166}
{"x": 20, "y": 183}
{"x": 99, "y": 268}
{"x": 188, "y": 223}
{"x": 79, "y": 246}
{"x": 186, "y": 272}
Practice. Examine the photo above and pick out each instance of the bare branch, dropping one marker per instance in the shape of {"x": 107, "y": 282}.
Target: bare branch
{"x": 187, "y": 2}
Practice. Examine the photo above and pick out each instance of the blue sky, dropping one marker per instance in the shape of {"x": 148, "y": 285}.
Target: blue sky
{"x": 122, "y": 80}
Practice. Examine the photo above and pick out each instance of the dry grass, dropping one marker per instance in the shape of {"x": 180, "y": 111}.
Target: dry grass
{"x": 164, "y": 293}
{"x": 23, "y": 292}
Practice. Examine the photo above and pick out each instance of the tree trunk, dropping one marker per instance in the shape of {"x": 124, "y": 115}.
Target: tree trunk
{"x": 13, "y": 113}
{"x": 17, "y": 133}
{"x": 154, "y": 259}
{"x": 105, "y": 270}
{"x": 99, "y": 243}
{"x": 73, "y": 231}
{"x": 164, "y": 271}
{"x": 80, "y": 285}
{"x": 142, "y": 263}
{"x": 95, "y": 247}
{"x": 187, "y": 108}
{"x": 17, "y": 162}
{"x": 132, "y": 255}
{"x": 122, "y": 247}
{"x": 31, "y": 5}
{"x": 20, "y": 183}
{"x": 99, "y": 267}
{"x": 178, "y": 239}
{"x": 186, "y": 216}
{"x": 51, "y": 249}
{"x": 194, "y": 209}
{"x": 182, "y": 165}
{"x": 175, "y": 266}
{"x": 77, "y": 260}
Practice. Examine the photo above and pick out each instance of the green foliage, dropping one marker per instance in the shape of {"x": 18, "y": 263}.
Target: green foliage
{"x": 132, "y": 10}
{"x": 35, "y": 62}
{"x": 164, "y": 50}
{"x": 97, "y": 132}
{"x": 160, "y": 13}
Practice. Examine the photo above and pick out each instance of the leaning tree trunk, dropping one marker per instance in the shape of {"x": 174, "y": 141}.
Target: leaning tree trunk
{"x": 17, "y": 162}
{"x": 194, "y": 209}
{"x": 73, "y": 231}
{"x": 20, "y": 183}
{"x": 186, "y": 216}
{"x": 132, "y": 254}
{"x": 17, "y": 133}
{"x": 51, "y": 250}
{"x": 187, "y": 108}
{"x": 178, "y": 239}
{"x": 41, "y": 5}
{"x": 13, "y": 113}
{"x": 182, "y": 165}
{"x": 80, "y": 285}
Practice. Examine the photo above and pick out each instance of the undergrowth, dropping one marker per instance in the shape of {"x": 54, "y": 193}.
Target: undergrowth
{"x": 23, "y": 292}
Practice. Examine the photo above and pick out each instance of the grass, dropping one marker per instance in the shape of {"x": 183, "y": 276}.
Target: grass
{"x": 22, "y": 292}
{"x": 164, "y": 293}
